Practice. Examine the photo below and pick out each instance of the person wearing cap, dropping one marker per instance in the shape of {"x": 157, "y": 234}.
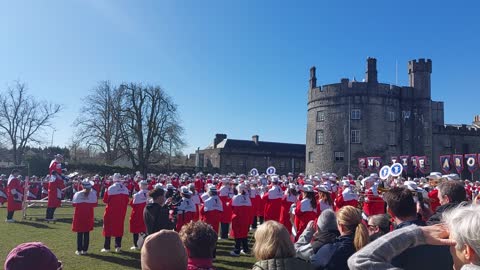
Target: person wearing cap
{"x": 273, "y": 201}
{"x": 84, "y": 203}
{"x": 241, "y": 218}
{"x": 434, "y": 179}
{"x": 255, "y": 199}
{"x": 32, "y": 255}
{"x": 97, "y": 185}
{"x": 305, "y": 210}
{"x": 212, "y": 208}
{"x": 290, "y": 197}
{"x": 187, "y": 209}
{"x": 14, "y": 194}
{"x": 374, "y": 204}
{"x": 55, "y": 193}
{"x": 116, "y": 198}
{"x": 138, "y": 203}
{"x": 325, "y": 200}
{"x": 225, "y": 194}
{"x": 346, "y": 197}
{"x": 195, "y": 199}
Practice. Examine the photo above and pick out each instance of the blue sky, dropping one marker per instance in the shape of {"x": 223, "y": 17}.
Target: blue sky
{"x": 236, "y": 67}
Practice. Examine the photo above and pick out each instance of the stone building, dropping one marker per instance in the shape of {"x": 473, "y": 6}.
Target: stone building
{"x": 226, "y": 155}
{"x": 350, "y": 120}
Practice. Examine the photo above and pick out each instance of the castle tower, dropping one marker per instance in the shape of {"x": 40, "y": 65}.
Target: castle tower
{"x": 419, "y": 77}
{"x": 371, "y": 73}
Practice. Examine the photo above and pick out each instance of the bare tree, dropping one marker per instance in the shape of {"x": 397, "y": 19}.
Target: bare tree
{"x": 22, "y": 118}
{"x": 148, "y": 124}
{"x": 97, "y": 124}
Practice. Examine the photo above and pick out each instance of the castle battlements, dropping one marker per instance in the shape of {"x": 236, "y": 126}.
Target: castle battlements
{"x": 464, "y": 130}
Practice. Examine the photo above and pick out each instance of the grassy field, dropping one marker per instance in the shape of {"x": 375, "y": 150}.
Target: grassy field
{"x": 62, "y": 241}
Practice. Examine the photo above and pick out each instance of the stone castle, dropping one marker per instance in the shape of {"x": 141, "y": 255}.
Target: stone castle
{"x": 350, "y": 120}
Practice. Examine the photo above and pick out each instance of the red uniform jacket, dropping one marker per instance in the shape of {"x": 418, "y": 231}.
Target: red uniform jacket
{"x": 373, "y": 204}
{"x": 3, "y": 195}
{"x": 197, "y": 201}
{"x": 255, "y": 199}
{"x": 199, "y": 185}
{"x": 15, "y": 194}
{"x": 241, "y": 215}
{"x": 55, "y": 166}
{"x": 55, "y": 188}
{"x": 44, "y": 190}
{"x": 138, "y": 203}
{"x": 273, "y": 203}
{"x": 287, "y": 202}
{"x": 83, "y": 218}
{"x": 186, "y": 213}
{"x": 434, "y": 201}
{"x": 116, "y": 198}
{"x": 225, "y": 193}
{"x": 304, "y": 213}
{"x": 211, "y": 212}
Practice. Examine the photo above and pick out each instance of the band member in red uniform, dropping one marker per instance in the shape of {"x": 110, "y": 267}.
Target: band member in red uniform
{"x": 433, "y": 180}
{"x": 3, "y": 194}
{"x": 187, "y": 210}
{"x": 56, "y": 165}
{"x": 241, "y": 218}
{"x": 211, "y": 211}
{"x": 45, "y": 187}
{"x": 55, "y": 187}
{"x": 196, "y": 200}
{"x": 347, "y": 197}
{"x": 225, "y": 194}
{"x": 116, "y": 198}
{"x": 255, "y": 199}
{"x": 288, "y": 199}
{"x": 273, "y": 201}
{"x": 15, "y": 195}
{"x": 83, "y": 217}
{"x": 97, "y": 184}
{"x": 306, "y": 210}
{"x": 138, "y": 203}
{"x": 199, "y": 184}
{"x": 374, "y": 204}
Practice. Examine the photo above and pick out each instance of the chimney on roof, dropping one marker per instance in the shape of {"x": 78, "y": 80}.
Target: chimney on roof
{"x": 476, "y": 121}
{"x": 255, "y": 139}
{"x": 218, "y": 139}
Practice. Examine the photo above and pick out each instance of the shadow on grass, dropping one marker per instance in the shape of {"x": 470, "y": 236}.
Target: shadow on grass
{"x": 33, "y": 224}
{"x": 244, "y": 265}
{"x": 133, "y": 263}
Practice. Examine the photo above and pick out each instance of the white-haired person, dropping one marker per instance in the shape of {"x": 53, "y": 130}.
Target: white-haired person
{"x": 241, "y": 219}
{"x": 138, "y": 203}
{"x": 84, "y": 202}
{"x": 116, "y": 199}
{"x": 459, "y": 230}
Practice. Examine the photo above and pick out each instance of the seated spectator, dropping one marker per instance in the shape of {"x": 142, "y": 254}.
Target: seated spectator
{"x": 163, "y": 250}
{"x": 274, "y": 249}
{"x": 450, "y": 195}
{"x": 378, "y": 225}
{"x": 33, "y": 255}
{"x": 401, "y": 206}
{"x": 461, "y": 228}
{"x": 353, "y": 236}
{"x": 310, "y": 241}
{"x": 200, "y": 241}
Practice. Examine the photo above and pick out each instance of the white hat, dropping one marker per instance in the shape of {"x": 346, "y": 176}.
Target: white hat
{"x": 369, "y": 179}
{"x": 308, "y": 188}
{"x": 241, "y": 188}
{"x": 292, "y": 186}
{"x": 345, "y": 183}
{"x": 322, "y": 188}
{"x": 225, "y": 180}
{"x": 117, "y": 177}
{"x": 159, "y": 186}
{"x": 453, "y": 177}
{"x": 86, "y": 183}
{"x": 411, "y": 185}
{"x": 185, "y": 190}
{"x": 143, "y": 183}
{"x": 434, "y": 176}
{"x": 275, "y": 179}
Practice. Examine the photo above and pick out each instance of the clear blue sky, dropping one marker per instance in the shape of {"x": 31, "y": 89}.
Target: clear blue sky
{"x": 236, "y": 67}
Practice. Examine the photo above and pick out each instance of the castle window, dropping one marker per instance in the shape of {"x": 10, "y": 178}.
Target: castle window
{"x": 319, "y": 137}
{"x": 339, "y": 156}
{"x": 391, "y": 138}
{"x": 320, "y": 116}
{"x": 391, "y": 116}
{"x": 310, "y": 157}
{"x": 356, "y": 114}
{"x": 355, "y": 136}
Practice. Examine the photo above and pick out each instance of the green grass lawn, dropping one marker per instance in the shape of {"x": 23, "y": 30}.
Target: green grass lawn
{"x": 62, "y": 241}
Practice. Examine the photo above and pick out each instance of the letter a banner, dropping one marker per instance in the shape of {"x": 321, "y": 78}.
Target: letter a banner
{"x": 362, "y": 164}
{"x": 445, "y": 162}
{"x": 422, "y": 164}
{"x": 472, "y": 162}
{"x": 458, "y": 163}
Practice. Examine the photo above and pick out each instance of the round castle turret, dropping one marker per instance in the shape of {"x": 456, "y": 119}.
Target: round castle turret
{"x": 350, "y": 119}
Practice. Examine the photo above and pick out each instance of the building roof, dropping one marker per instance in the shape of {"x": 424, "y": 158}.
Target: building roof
{"x": 261, "y": 146}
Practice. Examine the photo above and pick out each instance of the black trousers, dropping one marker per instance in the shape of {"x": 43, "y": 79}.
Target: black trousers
{"x": 10, "y": 214}
{"x": 108, "y": 240}
{"x": 254, "y": 222}
{"x": 241, "y": 243}
{"x": 83, "y": 240}
{"x": 135, "y": 239}
{"x": 50, "y": 212}
{"x": 261, "y": 219}
{"x": 224, "y": 230}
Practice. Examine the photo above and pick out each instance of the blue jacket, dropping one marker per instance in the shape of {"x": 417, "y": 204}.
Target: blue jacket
{"x": 334, "y": 255}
